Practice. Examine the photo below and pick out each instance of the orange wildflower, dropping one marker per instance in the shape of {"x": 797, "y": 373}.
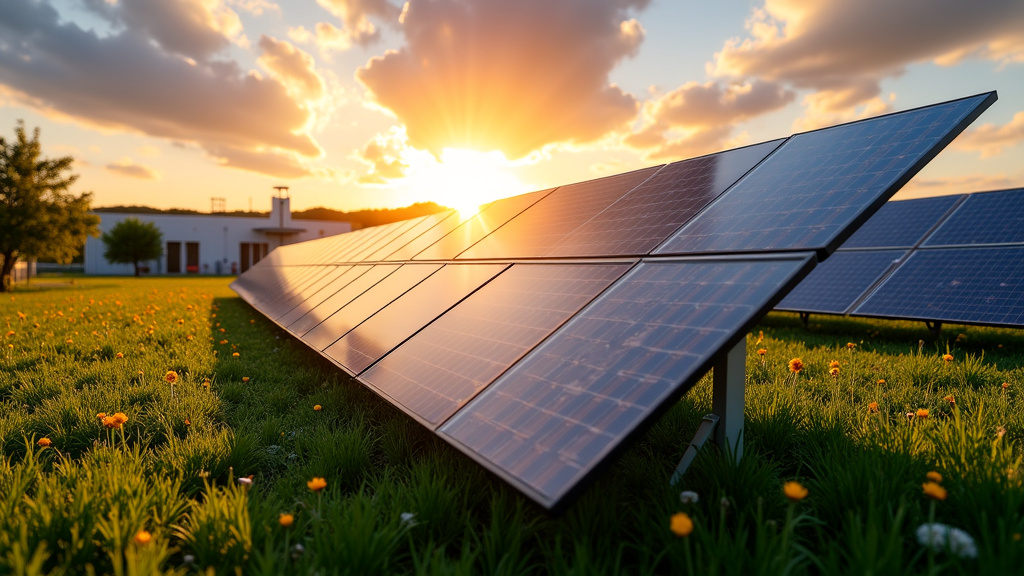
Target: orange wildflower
{"x": 933, "y": 490}
{"x": 119, "y": 355}
{"x": 796, "y": 365}
{"x": 1006, "y": 385}
{"x": 171, "y": 376}
{"x": 947, "y": 357}
{"x": 950, "y": 399}
{"x": 45, "y": 442}
{"x": 850, "y": 345}
{"x": 318, "y": 408}
{"x": 873, "y": 407}
{"x": 235, "y": 354}
{"x": 286, "y": 520}
{"x": 934, "y": 476}
{"x": 922, "y": 413}
{"x": 833, "y": 364}
{"x": 142, "y": 537}
{"x": 795, "y": 491}
{"x": 681, "y": 525}
{"x": 833, "y": 372}
{"x": 317, "y": 484}
{"x": 762, "y": 352}
{"x": 245, "y": 378}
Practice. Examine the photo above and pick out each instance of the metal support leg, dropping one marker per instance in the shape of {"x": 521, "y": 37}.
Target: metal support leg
{"x": 726, "y": 423}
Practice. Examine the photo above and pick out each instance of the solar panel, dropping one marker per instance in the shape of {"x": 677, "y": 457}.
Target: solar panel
{"x": 553, "y": 416}
{"x": 902, "y": 224}
{"x": 442, "y": 367}
{"x": 352, "y": 314}
{"x": 492, "y": 217}
{"x": 643, "y": 218}
{"x": 987, "y": 218}
{"x": 808, "y": 193}
{"x": 520, "y": 337}
{"x": 389, "y": 327}
{"x": 836, "y": 284}
{"x": 532, "y": 233}
{"x": 968, "y": 285}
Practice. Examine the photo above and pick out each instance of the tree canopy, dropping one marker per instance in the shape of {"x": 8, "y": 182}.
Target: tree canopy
{"x": 131, "y": 241}
{"x": 38, "y": 216}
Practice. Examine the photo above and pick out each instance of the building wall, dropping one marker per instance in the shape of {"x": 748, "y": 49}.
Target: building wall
{"x": 219, "y": 238}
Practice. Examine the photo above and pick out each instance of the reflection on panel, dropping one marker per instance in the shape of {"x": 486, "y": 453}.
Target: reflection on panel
{"x": 837, "y": 283}
{"x": 969, "y": 285}
{"x": 536, "y": 230}
{"x": 988, "y": 218}
{"x": 490, "y": 218}
{"x": 308, "y": 291}
{"x": 902, "y": 224}
{"x": 410, "y": 312}
{"x": 437, "y": 371}
{"x": 818, "y": 183}
{"x": 421, "y": 226}
{"x": 350, "y": 315}
{"x": 548, "y": 420}
{"x": 643, "y": 218}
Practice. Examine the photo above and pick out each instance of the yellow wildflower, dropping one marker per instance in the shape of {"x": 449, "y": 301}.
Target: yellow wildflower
{"x": 171, "y": 376}
{"x": 934, "y": 476}
{"x": 796, "y": 365}
{"x": 934, "y": 491}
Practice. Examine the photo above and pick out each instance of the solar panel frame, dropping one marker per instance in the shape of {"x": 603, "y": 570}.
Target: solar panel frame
{"x": 801, "y": 264}
{"x": 903, "y": 223}
{"x": 846, "y": 276}
{"x": 984, "y": 218}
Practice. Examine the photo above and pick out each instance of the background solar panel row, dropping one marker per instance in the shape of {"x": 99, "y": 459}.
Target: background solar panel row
{"x": 958, "y": 264}
{"x": 541, "y": 333}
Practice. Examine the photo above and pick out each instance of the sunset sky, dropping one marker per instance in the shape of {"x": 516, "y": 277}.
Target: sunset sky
{"x": 370, "y": 103}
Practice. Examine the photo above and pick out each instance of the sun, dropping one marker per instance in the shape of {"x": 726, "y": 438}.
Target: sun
{"x": 464, "y": 179}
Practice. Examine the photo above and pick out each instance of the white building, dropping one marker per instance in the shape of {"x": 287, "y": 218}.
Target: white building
{"x": 211, "y": 243}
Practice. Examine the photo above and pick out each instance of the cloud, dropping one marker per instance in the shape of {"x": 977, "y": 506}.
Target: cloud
{"x": 127, "y": 167}
{"x": 291, "y": 67}
{"x": 128, "y": 81}
{"x": 705, "y": 114}
{"x": 256, "y": 7}
{"x": 357, "y": 28}
{"x": 845, "y": 49}
{"x": 990, "y": 140}
{"x": 384, "y": 155}
{"x": 508, "y": 76}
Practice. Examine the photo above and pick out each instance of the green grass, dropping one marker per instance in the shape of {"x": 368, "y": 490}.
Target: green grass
{"x": 173, "y": 470}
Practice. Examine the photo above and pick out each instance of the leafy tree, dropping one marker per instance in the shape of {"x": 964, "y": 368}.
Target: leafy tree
{"x": 38, "y": 217}
{"x": 131, "y": 241}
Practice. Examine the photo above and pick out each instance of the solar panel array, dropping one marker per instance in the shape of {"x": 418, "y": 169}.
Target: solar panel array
{"x": 942, "y": 259}
{"x": 539, "y": 335}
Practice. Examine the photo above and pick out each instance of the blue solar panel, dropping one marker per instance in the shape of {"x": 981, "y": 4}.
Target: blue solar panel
{"x": 837, "y": 283}
{"x": 968, "y": 285}
{"x": 985, "y": 218}
{"x": 639, "y": 221}
{"x": 548, "y": 421}
{"x": 818, "y": 184}
{"x": 441, "y": 368}
{"x": 902, "y": 224}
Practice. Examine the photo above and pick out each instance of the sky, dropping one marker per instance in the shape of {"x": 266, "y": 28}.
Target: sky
{"x": 358, "y": 104}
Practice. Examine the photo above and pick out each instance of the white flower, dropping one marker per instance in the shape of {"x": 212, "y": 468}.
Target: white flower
{"x": 245, "y": 481}
{"x": 940, "y": 537}
{"x": 189, "y": 559}
{"x": 689, "y": 497}
{"x": 408, "y": 519}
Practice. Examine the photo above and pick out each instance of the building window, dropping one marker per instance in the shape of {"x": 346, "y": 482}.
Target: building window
{"x": 192, "y": 257}
{"x": 251, "y": 253}
{"x": 174, "y": 257}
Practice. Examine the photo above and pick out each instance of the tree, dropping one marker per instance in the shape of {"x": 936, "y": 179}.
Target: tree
{"x": 38, "y": 217}
{"x": 131, "y": 241}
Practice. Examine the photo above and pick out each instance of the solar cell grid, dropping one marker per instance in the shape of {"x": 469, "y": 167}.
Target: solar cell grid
{"x": 546, "y": 422}
{"x": 392, "y": 231}
{"x": 366, "y": 304}
{"x": 532, "y": 233}
{"x": 345, "y": 275}
{"x": 837, "y": 283}
{"x": 448, "y": 362}
{"x": 422, "y": 225}
{"x": 969, "y": 285}
{"x": 817, "y": 184}
{"x": 412, "y": 310}
{"x": 902, "y": 224}
{"x": 639, "y": 221}
{"x": 985, "y": 218}
{"x": 283, "y": 302}
{"x": 285, "y": 305}
{"x": 490, "y": 218}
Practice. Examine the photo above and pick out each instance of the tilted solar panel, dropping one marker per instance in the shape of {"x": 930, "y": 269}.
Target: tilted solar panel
{"x": 536, "y": 352}
{"x": 988, "y": 218}
{"x": 643, "y": 218}
{"x": 902, "y": 224}
{"x": 553, "y": 416}
{"x": 811, "y": 192}
{"x": 966, "y": 285}
{"x": 438, "y": 370}
{"x": 836, "y": 284}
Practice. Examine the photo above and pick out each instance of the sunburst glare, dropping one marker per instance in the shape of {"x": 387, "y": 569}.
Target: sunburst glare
{"x": 463, "y": 179}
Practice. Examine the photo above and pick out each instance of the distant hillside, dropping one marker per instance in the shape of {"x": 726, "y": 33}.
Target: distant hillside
{"x": 358, "y": 218}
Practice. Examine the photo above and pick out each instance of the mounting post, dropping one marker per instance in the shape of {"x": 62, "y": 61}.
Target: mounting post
{"x": 805, "y": 317}
{"x": 727, "y": 397}
{"x": 935, "y": 328}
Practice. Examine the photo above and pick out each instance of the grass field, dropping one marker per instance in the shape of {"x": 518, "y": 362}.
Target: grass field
{"x": 214, "y": 472}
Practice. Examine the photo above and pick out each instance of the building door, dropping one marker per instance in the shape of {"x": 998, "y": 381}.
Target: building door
{"x": 174, "y": 257}
{"x": 192, "y": 257}
{"x": 244, "y": 256}
{"x": 252, "y": 252}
